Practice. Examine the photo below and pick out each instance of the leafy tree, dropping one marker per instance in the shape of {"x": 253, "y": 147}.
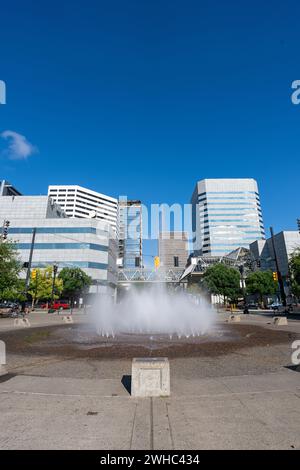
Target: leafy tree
{"x": 10, "y": 268}
{"x": 75, "y": 282}
{"x": 16, "y": 292}
{"x": 261, "y": 283}
{"x": 40, "y": 288}
{"x": 294, "y": 267}
{"x": 222, "y": 280}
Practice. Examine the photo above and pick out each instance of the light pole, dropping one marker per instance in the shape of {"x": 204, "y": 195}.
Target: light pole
{"x": 55, "y": 267}
{"x": 280, "y": 280}
{"x": 27, "y": 281}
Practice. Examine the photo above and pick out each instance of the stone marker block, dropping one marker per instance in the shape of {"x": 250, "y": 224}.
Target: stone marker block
{"x": 150, "y": 377}
{"x": 23, "y": 322}
{"x": 68, "y": 319}
{"x": 280, "y": 321}
{"x": 3, "y": 370}
{"x": 234, "y": 318}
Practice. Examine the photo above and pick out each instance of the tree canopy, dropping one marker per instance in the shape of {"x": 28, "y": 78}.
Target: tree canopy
{"x": 40, "y": 288}
{"x": 294, "y": 266}
{"x": 261, "y": 283}
{"x": 10, "y": 268}
{"x": 75, "y": 282}
{"x": 223, "y": 280}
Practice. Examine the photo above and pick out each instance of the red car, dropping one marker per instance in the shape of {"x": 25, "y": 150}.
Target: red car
{"x": 57, "y": 305}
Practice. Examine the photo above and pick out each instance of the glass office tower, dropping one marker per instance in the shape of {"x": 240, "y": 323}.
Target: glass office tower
{"x": 130, "y": 233}
{"x": 226, "y": 214}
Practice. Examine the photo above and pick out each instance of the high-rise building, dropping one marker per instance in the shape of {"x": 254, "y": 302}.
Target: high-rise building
{"x": 130, "y": 233}
{"x": 84, "y": 203}
{"x": 226, "y": 214}
{"x": 173, "y": 249}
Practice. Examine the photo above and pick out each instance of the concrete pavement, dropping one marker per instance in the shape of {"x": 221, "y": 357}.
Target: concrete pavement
{"x": 243, "y": 412}
{"x": 42, "y": 318}
{"x": 245, "y": 400}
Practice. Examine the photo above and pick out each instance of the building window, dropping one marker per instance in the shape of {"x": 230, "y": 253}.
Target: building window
{"x": 176, "y": 262}
{"x": 63, "y": 246}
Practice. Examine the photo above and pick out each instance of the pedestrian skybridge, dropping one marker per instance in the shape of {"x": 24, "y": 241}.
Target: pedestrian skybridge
{"x": 137, "y": 275}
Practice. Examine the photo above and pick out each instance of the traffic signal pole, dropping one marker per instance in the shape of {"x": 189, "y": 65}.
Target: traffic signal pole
{"x": 27, "y": 282}
{"x": 55, "y": 267}
{"x": 280, "y": 280}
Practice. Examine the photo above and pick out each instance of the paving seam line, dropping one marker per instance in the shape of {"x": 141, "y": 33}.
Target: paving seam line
{"x": 17, "y": 392}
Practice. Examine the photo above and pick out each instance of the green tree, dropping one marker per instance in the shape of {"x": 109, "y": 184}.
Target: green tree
{"x": 294, "y": 267}
{"x": 40, "y": 288}
{"x": 261, "y": 283}
{"x": 16, "y": 292}
{"x": 10, "y": 268}
{"x": 75, "y": 282}
{"x": 220, "y": 279}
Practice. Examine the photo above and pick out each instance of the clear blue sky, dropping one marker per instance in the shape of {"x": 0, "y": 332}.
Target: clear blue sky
{"x": 145, "y": 97}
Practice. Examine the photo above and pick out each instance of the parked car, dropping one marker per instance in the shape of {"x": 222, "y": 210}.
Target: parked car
{"x": 252, "y": 306}
{"x": 4, "y": 311}
{"x": 240, "y": 306}
{"x": 57, "y": 305}
{"x": 9, "y": 304}
{"x": 275, "y": 305}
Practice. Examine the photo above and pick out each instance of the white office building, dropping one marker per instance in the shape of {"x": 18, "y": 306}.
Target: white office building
{"x": 29, "y": 207}
{"x": 83, "y": 203}
{"x": 226, "y": 214}
{"x": 89, "y": 244}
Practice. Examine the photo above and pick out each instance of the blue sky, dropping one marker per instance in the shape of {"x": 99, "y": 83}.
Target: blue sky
{"x": 144, "y": 98}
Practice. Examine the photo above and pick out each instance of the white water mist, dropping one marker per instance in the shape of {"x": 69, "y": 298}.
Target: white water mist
{"x": 154, "y": 310}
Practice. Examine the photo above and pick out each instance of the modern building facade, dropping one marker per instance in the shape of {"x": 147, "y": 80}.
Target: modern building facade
{"x": 173, "y": 249}
{"x": 130, "y": 233}
{"x": 7, "y": 189}
{"x": 285, "y": 242}
{"x": 67, "y": 242}
{"x": 29, "y": 207}
{"x": 226, "y": 214}
{"x": 83, "y": 203}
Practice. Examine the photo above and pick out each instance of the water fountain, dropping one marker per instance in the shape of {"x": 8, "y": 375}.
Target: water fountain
{"x": 154, "y": 311}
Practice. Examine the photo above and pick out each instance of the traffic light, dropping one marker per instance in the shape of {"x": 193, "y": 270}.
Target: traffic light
{"x": 275, "y": 276}
{"x": 33, "y": 274}
{"x": 156, "y": 261}
{"x": 258, "y": 263}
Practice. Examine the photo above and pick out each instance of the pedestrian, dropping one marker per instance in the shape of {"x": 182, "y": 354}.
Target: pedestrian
{"x": 246, "y": 310}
